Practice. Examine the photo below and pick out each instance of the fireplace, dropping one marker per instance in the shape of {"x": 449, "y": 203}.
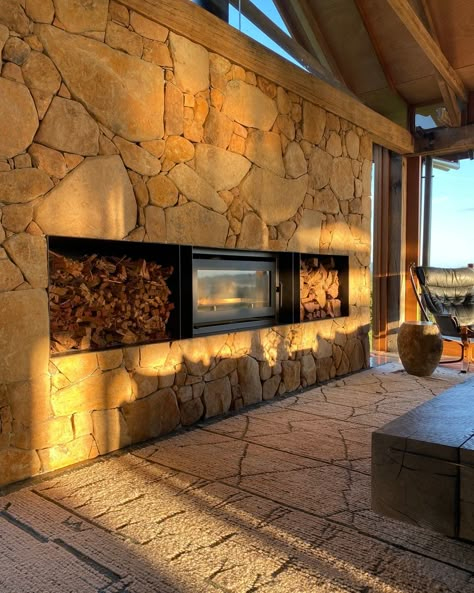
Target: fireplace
{"x": 105, "y": 294}
{"x": 234, "y": 290}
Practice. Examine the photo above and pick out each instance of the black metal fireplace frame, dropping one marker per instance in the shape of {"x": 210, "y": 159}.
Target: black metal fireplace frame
{"x": 284, "y": 269}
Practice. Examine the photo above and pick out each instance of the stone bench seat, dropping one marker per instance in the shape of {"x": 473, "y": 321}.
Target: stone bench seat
{"x": 423, "y": 464}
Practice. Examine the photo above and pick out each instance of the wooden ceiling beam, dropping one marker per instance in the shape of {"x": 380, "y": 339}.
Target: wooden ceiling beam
{"x": 450, "y": 102}
{"x": 376, "y": 46}
{"x": 444, "y": 141}
{"x": 428, "y": 45}
{"x": 191, "y": 21}
{"x": 449, "y": 97}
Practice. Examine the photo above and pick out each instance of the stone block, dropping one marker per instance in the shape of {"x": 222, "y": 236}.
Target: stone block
{"x": 98, "y": 392}
{"x": 275, "y": 199}
{"x": 40, "y": 11}
{"x": 120, "y": 37}
{"x": 82, "y": 424}
{"x": 270, "y": 387}
{"x": 59, "y": 456}
{"x": 264, "y": 149}
{"x": 222, "y": 169}
{"x": 76, "y": 366}
{"x": 136, "y": 158}
{"x": 52, "y": 162}
{"x": 135, "y": 108}
{"x": 69, "y": 128}
{"x": 162, "y": 191}
{"x": 29, "y": 254}
{"x": 295, "y": 161}
{"x": 10, "y": 276}
{"x": 191, "y": 411}
{"x": 95, "y": 200}
{"x": 314, "y": 122}
{"x": 144, "y": 384}
{"x": 154, "y": 355}
{"x": 249, "y": 380}
{"x": 16, "y": 50}
{"x": 174, "y": 110}
{"x": 148, "y": 28}
{"x": 24, "y": 335}
{"x": 253, "y": 233}
{"x": 178, "y": 149}
{"x": 247, "y": 105}
{"x": 218, "y": 128}
{"x": 13, "y": 16}
{"x": 110, "y": 359}
{"x": 82, "y": 17}
{"x": 193, "y": 224}
{"x": 23, "y": 185}
{"x": 217, "y": 397}
{"x": 191, "y": 64}
{"x": 320, "y": 168}
{"x": 308, "y": 369}
{"x": 222, "y": 369}
{"x": 342, "y": 180}
{"x": 110, "y": 430}
{"x": 352, "y": 144}
{"x": 196, "y": 188}
{"x": 17, "y": 464}
{"x": 291, "y": 374}
{"x": 152, "y": 416}
{"x": 41, "y": 74}
{"x": 42, "y": 434}
{"x": 29, "y": 401}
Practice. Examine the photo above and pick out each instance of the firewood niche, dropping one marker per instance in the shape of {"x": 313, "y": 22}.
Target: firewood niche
{"x": 106, "y": 293}
{"x": 320, "y": 287}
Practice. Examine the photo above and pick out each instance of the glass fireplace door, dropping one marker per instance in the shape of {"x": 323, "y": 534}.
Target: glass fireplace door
{"x": 232, "y": 291}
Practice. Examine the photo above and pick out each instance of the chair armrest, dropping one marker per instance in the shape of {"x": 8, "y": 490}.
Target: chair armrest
{"x": 448, "y": 325}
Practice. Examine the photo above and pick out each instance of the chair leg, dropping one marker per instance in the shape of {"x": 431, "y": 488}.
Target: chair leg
{"x": 454, "y": 360}
{"x": 466, "y": 350}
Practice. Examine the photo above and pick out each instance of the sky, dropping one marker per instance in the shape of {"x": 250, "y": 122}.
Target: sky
{"x": 452, "y": 222}
{"x": 247, "y": 27}
{"x": 452, "y": 219}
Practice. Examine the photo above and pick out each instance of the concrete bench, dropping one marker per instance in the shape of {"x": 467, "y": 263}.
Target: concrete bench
{"x": 423, "y": 464}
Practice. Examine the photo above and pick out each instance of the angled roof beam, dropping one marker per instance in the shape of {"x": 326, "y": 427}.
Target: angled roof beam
{"x": 302, "y": 23}
{"x": 376, "y": 47}
{"x": 428, "y": 45}
{"x": 449, "y": 97}
{"x": 267, "y": 26}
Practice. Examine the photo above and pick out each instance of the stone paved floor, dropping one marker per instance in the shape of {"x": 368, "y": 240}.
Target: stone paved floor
{"x": 272, "y": 500}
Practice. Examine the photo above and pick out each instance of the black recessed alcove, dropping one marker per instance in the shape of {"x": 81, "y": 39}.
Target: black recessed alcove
{"x": 210, "y": 290}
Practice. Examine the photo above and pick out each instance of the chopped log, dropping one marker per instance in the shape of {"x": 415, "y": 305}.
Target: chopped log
{"x": 98, "y": 301}
{"x": 319, "y": 288}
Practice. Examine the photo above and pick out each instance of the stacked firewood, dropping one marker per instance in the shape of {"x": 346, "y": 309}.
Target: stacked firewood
{"x": 97, "y": 301}
{"x": 319, "y": 288}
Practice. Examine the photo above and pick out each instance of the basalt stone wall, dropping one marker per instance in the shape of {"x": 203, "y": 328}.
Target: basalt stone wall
{"x": 113, "y": 126}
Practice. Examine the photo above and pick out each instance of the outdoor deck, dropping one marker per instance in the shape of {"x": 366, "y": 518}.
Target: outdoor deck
{"x": 275, "y": 499}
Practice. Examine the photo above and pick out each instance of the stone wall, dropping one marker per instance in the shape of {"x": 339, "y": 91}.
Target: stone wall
{"x": 112, "y": 126}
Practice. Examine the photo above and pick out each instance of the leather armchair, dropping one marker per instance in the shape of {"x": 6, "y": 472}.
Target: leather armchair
{"x": 446, "y": 296}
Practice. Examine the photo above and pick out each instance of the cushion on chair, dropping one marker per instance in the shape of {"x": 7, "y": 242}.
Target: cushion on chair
{"x": 449, "y": 291}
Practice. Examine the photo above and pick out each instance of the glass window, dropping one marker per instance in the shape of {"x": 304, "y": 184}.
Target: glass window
{"x": 243, "y": 24}
{"x": 452, "y": 214}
